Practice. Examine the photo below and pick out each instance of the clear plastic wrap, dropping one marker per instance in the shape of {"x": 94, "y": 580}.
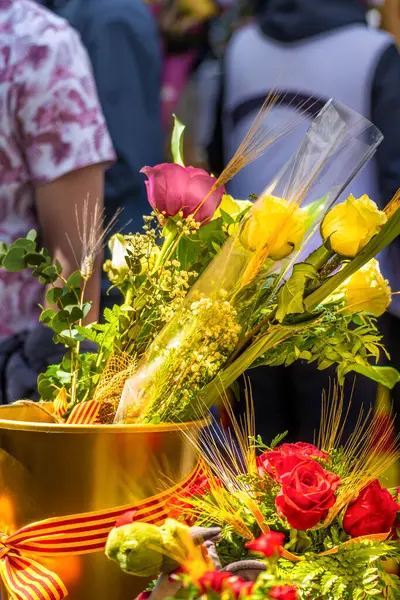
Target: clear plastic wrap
{"x": 275, "y": 234}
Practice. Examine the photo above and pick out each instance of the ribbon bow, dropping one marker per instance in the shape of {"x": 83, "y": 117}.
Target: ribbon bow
{"x": 26, "y": 579}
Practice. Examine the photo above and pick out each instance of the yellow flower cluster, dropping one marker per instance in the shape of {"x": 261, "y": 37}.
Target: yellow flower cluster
{"x": 276, "y": 224}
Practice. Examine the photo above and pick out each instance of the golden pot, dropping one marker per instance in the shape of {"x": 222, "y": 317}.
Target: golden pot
{"x": 49, "y": 470}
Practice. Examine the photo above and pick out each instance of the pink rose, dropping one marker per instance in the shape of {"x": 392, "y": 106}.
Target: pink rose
{"x": 172, "y": 188}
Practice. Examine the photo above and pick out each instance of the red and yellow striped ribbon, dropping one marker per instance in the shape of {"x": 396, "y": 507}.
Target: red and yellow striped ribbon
{"x": 23, "y": 575}
{"x": 84, "y": 413}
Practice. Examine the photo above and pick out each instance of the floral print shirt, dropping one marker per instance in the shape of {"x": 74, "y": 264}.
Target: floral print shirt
{"x": 50, "y": 124}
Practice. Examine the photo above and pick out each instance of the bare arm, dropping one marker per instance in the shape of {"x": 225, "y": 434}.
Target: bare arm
{"x": 58, "y": 205}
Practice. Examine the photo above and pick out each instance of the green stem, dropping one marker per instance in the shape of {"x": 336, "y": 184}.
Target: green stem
{"x": 171, "y": 231}
{"x": 319, "y": 257}
{"x": 129, "y": 295}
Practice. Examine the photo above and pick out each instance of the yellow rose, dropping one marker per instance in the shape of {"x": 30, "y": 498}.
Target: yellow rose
{"x": 231, "y": 206}
{"x": 351, "y": 224}
{"x": 367, "y": 291}
{"x": 274, "y": 221}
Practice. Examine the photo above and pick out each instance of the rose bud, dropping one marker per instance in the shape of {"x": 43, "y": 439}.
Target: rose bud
{"x": 283, "y": 592}
{"x": 350, "y": 225}
{"x": 307, "y": 493}
{"x": 172, "y": 189}
{"x": 367, "y": 290}
{"x": 273, "y": 221}
{"x": 269, "y": 544}
{"x": 373, "y": 511}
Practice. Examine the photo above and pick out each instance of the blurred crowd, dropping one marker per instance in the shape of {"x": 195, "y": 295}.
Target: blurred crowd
{"x": 87, "y": 93}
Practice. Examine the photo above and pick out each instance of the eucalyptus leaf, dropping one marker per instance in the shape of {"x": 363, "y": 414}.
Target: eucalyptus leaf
{"x": 14, "y": 260}
{"x": 28, "y": 245}
{"x": 177, "y": 142}
{"x": 34, "y": 259}
{"x": 74, "y": 280}
{"x": 47, "y": 315}
{"x": 53, "y": 295}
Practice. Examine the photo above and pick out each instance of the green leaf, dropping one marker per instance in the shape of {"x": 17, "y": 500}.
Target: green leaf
{"x": 45, "y": 387}
{"x": 277, "y": 439}
{"x": 58, "y": 267}
{"x": 291, "y": 294}
{"x": 74, "y": 280}
{"x": 34, "y": 259}
{"x": 28, "y": 245}
{"x": 226, "y": 217}
{"x": 47, "y": 315}
{"x": 177, "y": 142}
{"x": 60, "y": 321}
{"x": 3, "y": 251}
{"x": 387, "y": 376}
{"x": 14, "y": 260}
{"x": 31, "y": 235}
{"x": 53, "y": 295}
{"x": 86, "y": 308}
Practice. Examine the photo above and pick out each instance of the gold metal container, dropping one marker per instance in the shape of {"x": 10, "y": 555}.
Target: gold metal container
{"x": 49, "y": 470}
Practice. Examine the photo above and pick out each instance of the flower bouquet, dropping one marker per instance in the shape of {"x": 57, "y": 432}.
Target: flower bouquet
{"x": 211, "y": 287}
{"x": 279, "y": 521}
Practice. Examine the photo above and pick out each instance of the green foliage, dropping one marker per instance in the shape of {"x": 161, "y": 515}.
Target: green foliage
{"x": 356, "y": 571}
{"x": 23, "y": 254}
{"x": 195, "y": 252}
{"x": 335, "y": 338}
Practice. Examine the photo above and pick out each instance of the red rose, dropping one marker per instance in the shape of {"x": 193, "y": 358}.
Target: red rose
{"x": 396, "y": 524}
{"x": 284, "y": 458}
{"x": 213, "y": 581}
{"x": 283, "y": 592}
{"x": 373, "y": 511}
{"x": 307, "y": 493}
{"x": 239, "y": 587}
{"x": 303, "y": 449}
{"x": 269, "y": 544}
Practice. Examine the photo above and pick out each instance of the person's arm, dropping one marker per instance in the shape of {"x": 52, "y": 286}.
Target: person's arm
{"x": 385, "y": 114}
{"x": 58, "y": 222}
{"x": 66, "y": 146}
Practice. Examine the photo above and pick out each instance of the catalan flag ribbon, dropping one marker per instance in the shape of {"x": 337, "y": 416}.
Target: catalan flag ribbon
{"x": 20, "y": 569}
